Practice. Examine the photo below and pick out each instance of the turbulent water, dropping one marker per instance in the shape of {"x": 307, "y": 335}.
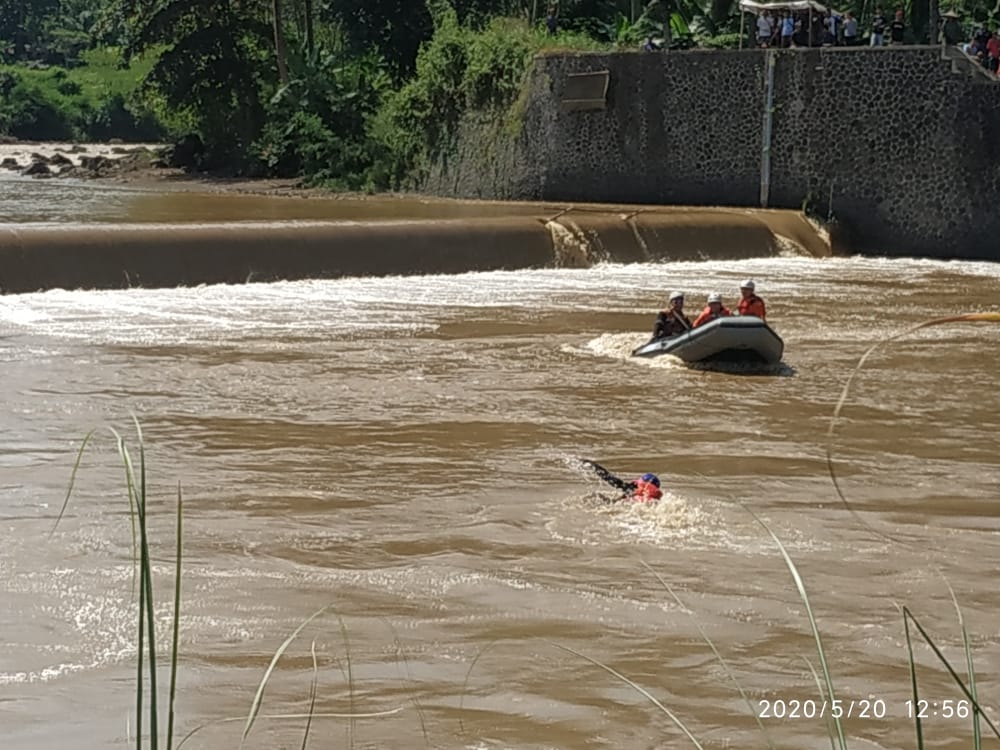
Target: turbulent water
{"x": 400, "y": 451}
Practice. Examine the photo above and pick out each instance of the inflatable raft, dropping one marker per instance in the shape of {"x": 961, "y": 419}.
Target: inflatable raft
{"x": 740, "y": 338}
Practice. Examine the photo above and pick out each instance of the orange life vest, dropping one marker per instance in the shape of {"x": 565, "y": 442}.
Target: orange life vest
{"x": 752, "y": 305}
{"x": 646, "y": 492}
{"x": 707, "y": 316}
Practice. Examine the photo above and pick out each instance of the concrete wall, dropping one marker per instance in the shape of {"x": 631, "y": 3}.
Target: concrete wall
{"x": 898, "y": 145}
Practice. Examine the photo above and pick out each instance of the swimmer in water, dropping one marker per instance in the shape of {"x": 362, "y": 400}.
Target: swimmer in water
{"x": 644, "y": 489}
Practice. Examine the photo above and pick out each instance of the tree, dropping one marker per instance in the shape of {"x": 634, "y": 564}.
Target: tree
{"x": 22, "y": 22}
{"x": 280, "y": 52}
{"x": 213, "y": 59}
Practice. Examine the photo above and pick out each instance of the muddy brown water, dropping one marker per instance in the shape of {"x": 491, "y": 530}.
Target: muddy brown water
{"x": 399, "y": 449}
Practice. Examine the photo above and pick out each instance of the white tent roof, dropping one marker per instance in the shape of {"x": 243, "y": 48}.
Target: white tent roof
{"x": 750, "y": 6}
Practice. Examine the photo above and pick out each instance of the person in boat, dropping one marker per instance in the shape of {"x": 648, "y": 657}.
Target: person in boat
{"x": 644, "y": 489}
{"x": 671, "y": 321}
{"x": 750, "y": 303}
{"x": 714, "y": 309}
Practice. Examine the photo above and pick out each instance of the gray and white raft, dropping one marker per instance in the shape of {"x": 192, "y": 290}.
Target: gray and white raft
{"x": 740, "y": 338}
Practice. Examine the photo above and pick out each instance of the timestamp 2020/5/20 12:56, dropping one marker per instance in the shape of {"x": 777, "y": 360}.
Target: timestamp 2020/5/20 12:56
{"x": 865, "y": 708}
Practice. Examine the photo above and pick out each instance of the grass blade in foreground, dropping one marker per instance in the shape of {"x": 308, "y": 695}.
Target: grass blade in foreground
{"x": 914, "y": 689}
{"x": 725, "y": 666}
{"x": 800, "y": 585}
{"x": 146, "y": 636}
{"x": 289, "y": 717}
{"x": 408, "y": 677}
{"x": 175, "y": 637}
{"x": 350, "y": 681}
{"x": 312, "y": 694}
{"x": 72, "y": 481}
{"x": 635, "y": 686}
{"x": 255, "y": 706}
{"x": 137, "y": 512}
{"x": 907, "y": 614}
{"x": 966, "y": 318}
{"x": 977, "y": 737}
{"x": 819, "y": 689}
{"x": 465, "y": 684}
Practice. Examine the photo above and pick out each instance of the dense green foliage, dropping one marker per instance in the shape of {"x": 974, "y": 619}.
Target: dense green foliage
{"x": 458, "y": 70}
{"x": 96, "y": 101}
{"x": 317, "y": 124}
{"x": 216, "y": 56}
{"x": 356, "y": 94}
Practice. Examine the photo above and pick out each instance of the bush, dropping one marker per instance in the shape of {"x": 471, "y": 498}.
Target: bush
{"x": 97, "y": 101}
{"x": 459, "y": 70}
{"x": 722, "y": 41}
{"x": 33, "y": 109}
{"x": 317, "y": 125}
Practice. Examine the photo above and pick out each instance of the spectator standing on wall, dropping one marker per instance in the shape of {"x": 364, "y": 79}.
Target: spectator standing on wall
{"x": 982, "y": 34}
{"x": 951, "y": 30}
{"x": 850, "y": 29}
{"x": 982, "y": 37}
{"x": 993, "y": 53}
{"x": 787, "y": 28}
{"x": 817, "y": 31}
{"x": 831, "y": 23}
{"x": 972, "y": 49}
{"x": 878, "y": 28}
{"x": 765, "y": 30}
{"x": 801, "y": 36}
{"x": 897, "y": 29}
{"x": 552, "y": 20}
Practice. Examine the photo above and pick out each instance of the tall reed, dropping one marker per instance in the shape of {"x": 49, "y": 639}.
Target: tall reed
{"x": 148, "y": 716}
{"x": 908, "y": 616}
{"x": 146, "y": 665}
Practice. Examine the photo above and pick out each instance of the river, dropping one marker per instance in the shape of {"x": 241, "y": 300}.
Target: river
{"x": 401, "y": 450}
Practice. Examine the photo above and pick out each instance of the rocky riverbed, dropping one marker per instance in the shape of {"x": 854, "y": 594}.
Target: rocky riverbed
{"x": 79, "y": 160}
{"x": 134, "y": 164}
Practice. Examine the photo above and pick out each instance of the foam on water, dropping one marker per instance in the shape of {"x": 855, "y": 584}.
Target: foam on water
{"x": 418, "y": 304}
{"x": 620, "y": 346}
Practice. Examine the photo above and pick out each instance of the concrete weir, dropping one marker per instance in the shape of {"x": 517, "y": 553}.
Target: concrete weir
{"x": 118, "y": 256}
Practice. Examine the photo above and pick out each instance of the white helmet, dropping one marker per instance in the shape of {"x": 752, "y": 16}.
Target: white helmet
{"x": 676, "y": 295}
{"x": 748, "y": 284}
{"x": 714, "y": 297}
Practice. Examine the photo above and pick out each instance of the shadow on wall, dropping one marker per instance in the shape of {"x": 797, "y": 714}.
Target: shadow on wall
{"x": 151, "y": 256}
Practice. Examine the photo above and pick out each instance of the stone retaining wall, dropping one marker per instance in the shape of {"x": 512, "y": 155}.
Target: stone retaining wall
{"x": 897, "y": 145}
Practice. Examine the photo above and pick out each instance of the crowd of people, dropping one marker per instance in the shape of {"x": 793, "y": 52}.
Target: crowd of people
{"x": 788, "y": 28}
{"x": 984, "y": 46}
{"x": 672, "y": 321}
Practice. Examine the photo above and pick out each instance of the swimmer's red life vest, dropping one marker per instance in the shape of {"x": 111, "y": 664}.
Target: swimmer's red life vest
{"x": 645, "y": 492}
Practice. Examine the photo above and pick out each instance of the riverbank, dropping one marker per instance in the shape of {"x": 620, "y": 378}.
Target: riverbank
{"x": 137, "y": 164}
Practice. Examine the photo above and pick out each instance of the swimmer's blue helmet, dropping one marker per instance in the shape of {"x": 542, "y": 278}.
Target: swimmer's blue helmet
{"x": 651, "y": 478}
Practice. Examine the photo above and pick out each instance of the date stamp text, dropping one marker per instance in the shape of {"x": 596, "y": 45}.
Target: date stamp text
{"x": 864, "y": 708}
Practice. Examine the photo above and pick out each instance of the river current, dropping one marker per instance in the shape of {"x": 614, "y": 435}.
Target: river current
{"x": 402, "y": 451}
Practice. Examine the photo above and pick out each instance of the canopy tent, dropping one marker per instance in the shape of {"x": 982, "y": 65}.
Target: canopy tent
{"x": 751, "y": 6}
